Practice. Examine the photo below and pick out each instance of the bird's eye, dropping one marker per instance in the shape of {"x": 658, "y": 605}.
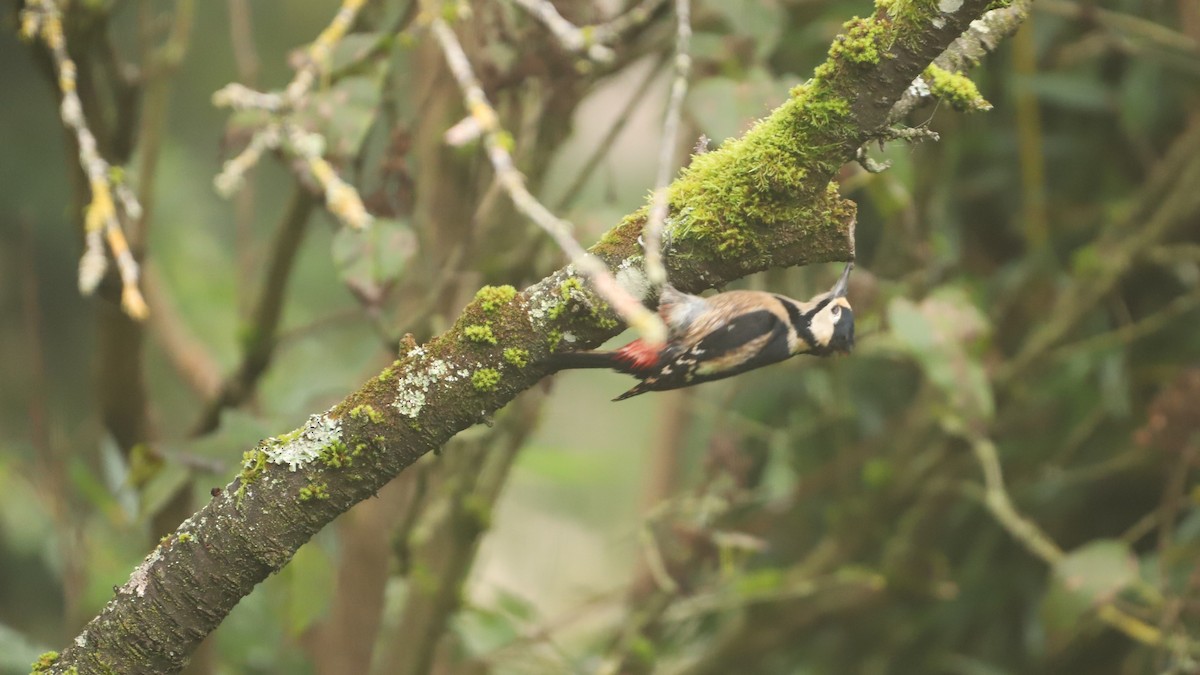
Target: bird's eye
{"x": 836, "y": 311}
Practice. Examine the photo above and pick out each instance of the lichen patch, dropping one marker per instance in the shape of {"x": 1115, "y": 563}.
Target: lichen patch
{"x": 414, "y": 387}
{"x": 319, "y": 432}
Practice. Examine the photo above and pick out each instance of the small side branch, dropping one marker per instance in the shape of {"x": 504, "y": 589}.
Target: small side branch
{"x": 980, "y": 39}
{"x": 321, "y": 49}
{"x": 1166, "y": 203}
{"x": 612, "y": 31}
{"x": 570, "y": 36}
{"x": 342, "y": 200}
{"x": 655, "y": 270}
{"x": 42, "y": 19}
{"x": 264, "y": 324}
{"x": 1040, "y": 545}
{"x": 1127, "y": 25}
{"x": 593, "y": 41}
{"x": 484, "y": 119}
{"x": 605, "y": 145}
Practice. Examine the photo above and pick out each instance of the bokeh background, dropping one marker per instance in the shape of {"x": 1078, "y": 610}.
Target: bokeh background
{"x": 999, "y": 480}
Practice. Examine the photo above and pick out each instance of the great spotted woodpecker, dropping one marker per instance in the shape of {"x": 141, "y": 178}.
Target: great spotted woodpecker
{"x": 727, "y": 334}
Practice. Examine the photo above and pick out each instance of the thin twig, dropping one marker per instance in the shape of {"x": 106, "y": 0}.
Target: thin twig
{"x": 722, "y": 599}
{"x": 652, "y": 556}
{"x": 342, "y": 200}
{"x": 339, "y": 317}
{"x": 485, "y": 120}
{"x": 268, "y": 311}
{"x": 241, "y": 37}
{"x": 1125, "y": 24}
{"x": 1175, "y": 253}
{"x": 321, "y": 49}
{"x": 998, "y": 501}
{"x": 42, "y": 19}
{"x": 633, "y": 632}
{"x": 447, "y": 533}
{"x": 1132, "y": 332}
{"x": 1040, "y": 545}
{"x": 613, "y": 31}
{"x": 159, "y": 66}
{"x": 605, "y": 145}
{"x": 652, "y": 238}
{"x": 245, "y": 56}
{"x": 595, "y": 41}
{"x": 570, "y": 36}
{"x": 196, "y": 366}
{"x": 1031, "y": 156}
{"x": 1166, "y": 201}
{"x": 54, "y": 484}
{"x": 599, "y": 603}
{"x": 233, "y": 174}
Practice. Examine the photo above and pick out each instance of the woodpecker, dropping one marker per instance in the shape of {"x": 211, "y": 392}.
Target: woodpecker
{"x": 726, "y": 334}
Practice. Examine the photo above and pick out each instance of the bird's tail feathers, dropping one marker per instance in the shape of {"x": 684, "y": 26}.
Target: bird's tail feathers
{"x": 639, "y": 388}
{"x": 617, "y": 360}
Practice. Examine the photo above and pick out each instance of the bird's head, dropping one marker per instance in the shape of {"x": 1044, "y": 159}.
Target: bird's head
{"x": 831, "y": 319}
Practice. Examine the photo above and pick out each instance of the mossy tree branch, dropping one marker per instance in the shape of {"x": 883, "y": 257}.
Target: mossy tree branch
{"x": 761, "y": 201}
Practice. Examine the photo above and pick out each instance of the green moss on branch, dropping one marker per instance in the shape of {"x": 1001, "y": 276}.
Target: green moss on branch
{"x": 485, "y": 379}
{"x": 491, "y": 298}
{"x": 956, "y": 89}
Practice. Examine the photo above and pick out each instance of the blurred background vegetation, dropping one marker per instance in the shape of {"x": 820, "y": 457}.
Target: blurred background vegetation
{"x": 1027, "y": 294}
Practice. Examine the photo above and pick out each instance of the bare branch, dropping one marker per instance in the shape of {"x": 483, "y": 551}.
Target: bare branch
{"x": 485, "y": 119}
{"x": 613, "y": 31}
{"x": 342, "y": 200}
{"x": 1167, "y": 202}
{"x": 670, "y": 141}
{"x": 605, "y": 144}
{"x": 570, "y": 36}
{"x": 1127, "y": 24}
{"x": 594, "y": 41}
{"x": 1040, "y": 545}
{"x": 268, "y": 310}
{"x": 101, "y": 221}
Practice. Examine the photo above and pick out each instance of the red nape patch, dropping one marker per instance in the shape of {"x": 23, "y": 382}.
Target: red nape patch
{"x": 638, "y": 355}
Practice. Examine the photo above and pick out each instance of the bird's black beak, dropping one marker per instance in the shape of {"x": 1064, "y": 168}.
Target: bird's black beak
{"x": 843, "y": 284}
